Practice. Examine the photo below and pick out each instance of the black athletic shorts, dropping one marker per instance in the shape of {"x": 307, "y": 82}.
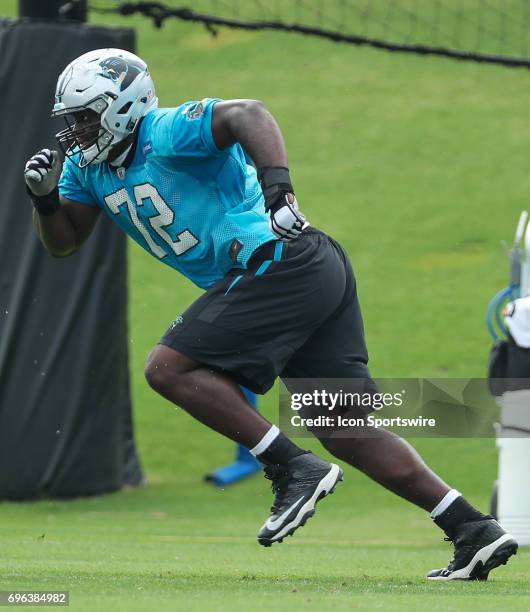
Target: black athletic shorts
{"x": 293, "y": 313}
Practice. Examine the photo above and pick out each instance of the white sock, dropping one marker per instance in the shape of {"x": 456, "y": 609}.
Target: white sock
{"x": 266, "y": 441}
{"x": 445, "y": 502}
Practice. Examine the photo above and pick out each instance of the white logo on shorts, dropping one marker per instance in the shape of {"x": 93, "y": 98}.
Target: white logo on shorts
{"x": 178, "y": 321}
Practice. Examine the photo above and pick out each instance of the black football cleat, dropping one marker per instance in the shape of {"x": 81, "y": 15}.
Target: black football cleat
{"x": 480, "y": 546}
{"x": 297, "y": 487}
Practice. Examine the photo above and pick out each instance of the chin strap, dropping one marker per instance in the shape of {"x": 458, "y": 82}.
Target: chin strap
{"x": 124, "y": 159}
{"x": 116, "y": 163}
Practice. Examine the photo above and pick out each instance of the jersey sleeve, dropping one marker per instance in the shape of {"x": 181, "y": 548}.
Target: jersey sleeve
{"x": 186, "y": 131}
{"x": 71, "y": 187}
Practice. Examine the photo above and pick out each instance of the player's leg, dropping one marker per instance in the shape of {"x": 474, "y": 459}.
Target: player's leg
{"x": 300, "y": 479}
{"x": 210, "y": 397}
{"x": 204, "y": 357}
{"x": 333, "y": 352}
{"x": 337, "y": 350}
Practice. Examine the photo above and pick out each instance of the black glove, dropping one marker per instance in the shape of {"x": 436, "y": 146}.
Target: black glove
{"x": 286, "y": 220}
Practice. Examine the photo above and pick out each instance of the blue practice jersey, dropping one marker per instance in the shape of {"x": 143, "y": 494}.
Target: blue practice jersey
{"x": 193, "y": 206}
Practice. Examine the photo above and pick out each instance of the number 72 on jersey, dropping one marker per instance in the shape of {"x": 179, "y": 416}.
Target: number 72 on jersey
{"x": 158, "y": 222}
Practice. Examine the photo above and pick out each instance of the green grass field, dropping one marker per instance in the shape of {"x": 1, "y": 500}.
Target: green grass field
{"x": 419, "y": 167}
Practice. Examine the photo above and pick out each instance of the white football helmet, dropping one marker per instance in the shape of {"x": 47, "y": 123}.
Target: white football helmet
{"x": 114, "y": 84}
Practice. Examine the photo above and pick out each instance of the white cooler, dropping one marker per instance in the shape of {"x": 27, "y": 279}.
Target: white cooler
{"x": 513, "y": 441}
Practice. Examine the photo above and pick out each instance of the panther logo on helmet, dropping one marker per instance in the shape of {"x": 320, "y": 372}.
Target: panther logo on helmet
{"x": 120, "y": 71}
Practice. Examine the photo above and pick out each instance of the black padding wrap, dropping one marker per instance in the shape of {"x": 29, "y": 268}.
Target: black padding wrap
{"x": 275, "y": 182}
{"x": 47, "y": 204}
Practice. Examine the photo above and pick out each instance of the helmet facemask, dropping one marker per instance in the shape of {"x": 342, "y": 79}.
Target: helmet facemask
{"x": 84, "y": 138}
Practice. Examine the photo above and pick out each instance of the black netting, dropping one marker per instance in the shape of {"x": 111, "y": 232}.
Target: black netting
{"x": 493, "y": 31}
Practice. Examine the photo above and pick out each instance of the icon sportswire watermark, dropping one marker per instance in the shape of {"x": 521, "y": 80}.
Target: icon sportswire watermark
{"x": 409, "y": 407}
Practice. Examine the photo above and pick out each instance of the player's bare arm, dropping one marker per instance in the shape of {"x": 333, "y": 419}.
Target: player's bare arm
{"x": 250, "y": 124}
{"x": 61, "y": 224}
{"x": 64, "y": 232}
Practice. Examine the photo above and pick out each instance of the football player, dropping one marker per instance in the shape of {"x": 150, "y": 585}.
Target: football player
{"x": 205, "y": 188}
